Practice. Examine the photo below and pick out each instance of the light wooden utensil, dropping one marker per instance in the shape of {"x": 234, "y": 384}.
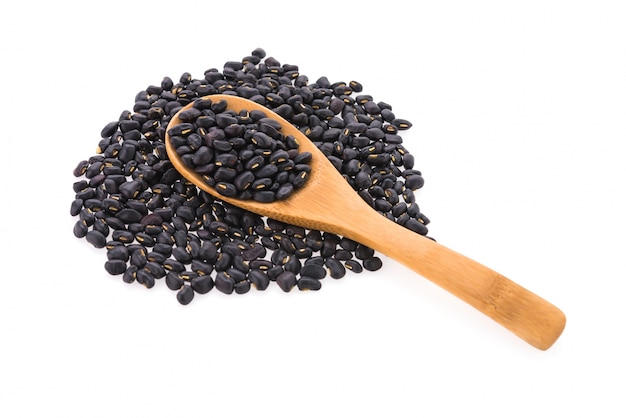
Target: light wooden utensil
{"x": 327, "y": 202}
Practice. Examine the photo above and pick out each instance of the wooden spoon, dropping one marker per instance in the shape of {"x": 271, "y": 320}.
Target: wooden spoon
{"x": 328, "y": 203}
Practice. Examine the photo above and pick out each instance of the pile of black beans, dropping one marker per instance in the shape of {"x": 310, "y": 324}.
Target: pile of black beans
{"x": 154, "y": 224}
{"x": 243, "y": 155}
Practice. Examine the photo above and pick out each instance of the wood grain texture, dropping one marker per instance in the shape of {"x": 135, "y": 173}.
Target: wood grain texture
{"x": 328, "y": 203}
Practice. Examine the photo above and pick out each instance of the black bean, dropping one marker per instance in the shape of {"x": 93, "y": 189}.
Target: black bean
{"x": 130, "y": 274}
{"x": 173, "y": 280}
{"x": 267, "y": 170}
{"x": 335, "y": 268}
{"x": 145, "y": 239}
{"x": 254, "y": 252}
{"x": 129, "y": 216}
{"x": 372, "y": 264}
{"x": 293, "y": 264}
{"x": 226, "y": 189}
{"x": 202, "y": 284}
{"x": 208, "y": 252}
{"x": 265, "y": 196}
{"x": 132, "y": 188}
{"x": 313, "y": 270}
{"x": 286, "y": 280}
{"x": 309, "y": 283}
{"x": 123, "y": 236}
{"x": 115, "y": 266}
{"x": 363, "y": 252}
{"x": 96, "y": 238}
{"x": 185, "y": 295}
{"x": 416, "y": 226}
{"x": 243, "y": 180}
{"x": 414, "y": 182}
{"x": 354, "y": 266}
{"x": 304, "y": 253}
{"x": 80, "y": 229}
{"x": 156, "y": 269}
{"x": 300, "y": 179}
{"x": 224, "y": 283}
{"x": 173, "y": 265}
{"x": 402, "y": 124}
{"x": 223, "y": 261}
{"x": 118, "y": 252}
{"x": 139, "y": 257}
{"x": 201, "y": 267}
{"x": 259, "y": 279}
{"x": 242, "y": 287}
{"x": 145, "y": 278}
{"x": 187, "y": 276}
{"x": 181, "y": 254}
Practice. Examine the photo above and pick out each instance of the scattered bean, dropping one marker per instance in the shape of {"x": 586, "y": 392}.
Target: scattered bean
{"x": 153, "y": 223}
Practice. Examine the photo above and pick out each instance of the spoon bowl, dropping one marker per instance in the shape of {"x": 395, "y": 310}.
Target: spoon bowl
{"x": 326, "y": 202}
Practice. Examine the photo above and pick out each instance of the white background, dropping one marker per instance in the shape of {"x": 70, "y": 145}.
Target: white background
{"x": 519, "y": 113}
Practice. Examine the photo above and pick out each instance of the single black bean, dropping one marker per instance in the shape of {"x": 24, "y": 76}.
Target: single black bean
{"x": 187, "y": 276}
{"x": 173, "y": 280}
{"x": 118, "y": 252}
{"x": 286, "y": 280}
{"x": 254, "y": 252}
{"x": 96, "y": 238}
{"x": 267, "y": 170}
{"x": 208, "y": 252}
{"x": 130, "y": 275}
{"x": 223, "y": 261}
{"x": 76, "y": 207}
{"x": 173, "y": 265}
{"x": 383, "y": 205}
{"x": 145, "y": 278}
{"x": 336, "y": 269}
{"x": 123, "y": 236}
{"x": 101, "y": 226}
{"x": 242, "y": 287}
{"x": 416, "y": 226}
{"x": 201, "y": 267}
{"x": 145, "y": 239}
{"x": 244, "y": 180}
{"x": 163, "y": 248}
{"x": 202, "y": 284}
{"x": 115, "y": 266}
{"x": 304, "y": 253}
{"x": 300, "y": 179}
{"x": 313, "y": 270}
{"x": 181, "y": 254}
{"x": 354, "y": 266}
{"x": 226, "y": 189}
{"x": 156, "y": 269}
{"x": 224, "y": 283}
{"x": 293, "y": 264}
{"x": 80, "y": 229}
{"x": 265, "y": 196}
{"x": 372, "y": 264}
{"x": 402, "y": 124}
{"x": 129, "y": 216}
{"x": 414, "y": 182}
{"x": 363, "y": 252}
{"x": 139, "y": 257}
{"x": 309, "y": 283}
{"x": 185, "y": 295}
{"x": 259, "y": 279}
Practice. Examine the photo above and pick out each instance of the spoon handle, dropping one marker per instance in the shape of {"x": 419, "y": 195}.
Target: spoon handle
{"x": 527, "y": 315}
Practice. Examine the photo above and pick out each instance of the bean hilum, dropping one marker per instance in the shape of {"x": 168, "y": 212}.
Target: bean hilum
{"x": 154, "y": 224}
